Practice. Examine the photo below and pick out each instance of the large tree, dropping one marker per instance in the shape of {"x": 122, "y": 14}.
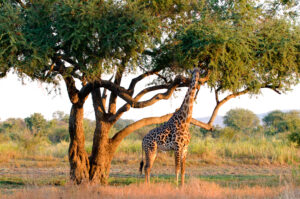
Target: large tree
{"x": 239, "y": 46}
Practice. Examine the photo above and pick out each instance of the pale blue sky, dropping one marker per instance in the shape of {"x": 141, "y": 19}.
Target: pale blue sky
{"x": 19, "y": 100}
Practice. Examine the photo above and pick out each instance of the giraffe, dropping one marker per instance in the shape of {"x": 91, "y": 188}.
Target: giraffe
{"x": 172, "y": 135}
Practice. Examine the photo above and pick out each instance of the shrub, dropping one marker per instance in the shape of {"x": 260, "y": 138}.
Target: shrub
{"x": 58, "y": 135}
{"x": 295, "y": 137}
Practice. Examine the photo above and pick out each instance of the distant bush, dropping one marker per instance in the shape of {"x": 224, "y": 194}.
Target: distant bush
{"x": 295, "y": 137}
{"x": 241, "y": 120}
{"x": 29, "y": 142}
{"x": 59, "y": 134}
{"x": 229, "y": 133}
{"x": 279, "y": 122}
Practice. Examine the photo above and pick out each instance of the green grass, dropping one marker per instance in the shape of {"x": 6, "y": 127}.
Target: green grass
{"x": 224, "y": 180}
{"x": 237, "y": 181}
{"x": 13, "y": 182}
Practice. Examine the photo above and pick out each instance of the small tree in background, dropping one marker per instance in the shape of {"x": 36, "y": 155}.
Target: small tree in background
{"x": 242, "y": 120}
{"x": 36, "y": 123}
{"x": 279, "y": 122}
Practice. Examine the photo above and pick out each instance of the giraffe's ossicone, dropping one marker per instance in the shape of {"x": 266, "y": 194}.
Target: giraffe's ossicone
{"x": 172, "y": 135}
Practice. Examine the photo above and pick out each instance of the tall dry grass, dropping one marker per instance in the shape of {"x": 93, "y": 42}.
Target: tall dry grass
{"x": 252, "y": 150}
{"x": 194, "y": 189}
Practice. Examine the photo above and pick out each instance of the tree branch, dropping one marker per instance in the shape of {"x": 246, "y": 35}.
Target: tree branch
{"x": 72, "y": 90}
{"x": 104, "y": 95}
{"x": 119, "y": 136}
{"x": 209, "y": 125}
{"x": 157, "y": 74}
{"x": 274, "y": 88}
{"x": 113, "y": 96}
{"x": 223, "y": 101}
{"x": 139, "y": 78}
{"x": 120, "y": 91}
{"x": 97, "y": 102}
{"x": 217, "y": 96}
{"x": 127, "y": 106}
{"x": 69, "y": 80}
{"x": 201, "y": 124}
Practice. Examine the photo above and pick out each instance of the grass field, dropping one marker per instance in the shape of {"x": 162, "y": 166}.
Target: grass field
{"x": 203, "y": 181}
{"x": 216, "y": 168}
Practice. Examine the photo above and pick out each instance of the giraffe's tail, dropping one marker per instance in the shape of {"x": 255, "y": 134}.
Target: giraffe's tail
{"x": 142, "y": 162}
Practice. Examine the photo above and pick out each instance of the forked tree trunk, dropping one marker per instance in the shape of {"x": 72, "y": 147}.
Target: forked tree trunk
{"x": 102, "y": 155}
{"x": 78, "y": 158}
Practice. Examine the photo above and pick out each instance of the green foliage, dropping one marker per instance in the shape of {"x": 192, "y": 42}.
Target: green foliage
{"x": 241, "y": 120}
{"x": 59, "y": 135}
{"x": 295, "y": 137}
{"x": 240, "y": 44}
{"x": 280, "y": 122}
{"x": 11, "y": 40}
{"x": 12, "y": 125}
{"x": 30, "y": 143}
{"x": 36, "y": 123}
{"x": 92, "y": 36}
{"x": 273, "y": 118}
{"x": 229, "y": 133}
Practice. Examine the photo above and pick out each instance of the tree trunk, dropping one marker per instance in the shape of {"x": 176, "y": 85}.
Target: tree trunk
{"x": 102, "y": 155}
{"x": 78, "y": 158}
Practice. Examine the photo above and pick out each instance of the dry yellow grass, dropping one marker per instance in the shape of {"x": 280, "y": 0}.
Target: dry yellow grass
{"x": 194, "y": 189}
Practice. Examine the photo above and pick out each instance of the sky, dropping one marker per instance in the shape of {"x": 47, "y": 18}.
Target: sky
{"x": 20, "y": 100}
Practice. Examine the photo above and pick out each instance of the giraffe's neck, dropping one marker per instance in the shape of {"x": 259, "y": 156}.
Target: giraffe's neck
{"x": 186, "y": 108}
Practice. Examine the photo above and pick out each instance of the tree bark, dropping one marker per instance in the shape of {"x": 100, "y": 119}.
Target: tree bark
{"x": 102, "y": 155}
{"x": 78, "y": 158}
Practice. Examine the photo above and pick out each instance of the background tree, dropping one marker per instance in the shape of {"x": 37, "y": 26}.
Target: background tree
{"x": 12, "y": 127}
{"x": 60, "y": 116}
{"x": 239, "y": 46}
{"x": 36, "y": 123}
{"x": 279, "y": 122}
{"x": 242, "y": 120}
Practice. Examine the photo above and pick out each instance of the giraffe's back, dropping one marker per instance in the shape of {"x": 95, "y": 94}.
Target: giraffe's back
{"x": 166, "y": 137}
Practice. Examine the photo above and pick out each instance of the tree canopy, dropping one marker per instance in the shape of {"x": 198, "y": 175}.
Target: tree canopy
{"x": 240, "y": 45}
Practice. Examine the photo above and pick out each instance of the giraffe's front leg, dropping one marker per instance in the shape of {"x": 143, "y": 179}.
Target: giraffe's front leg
{"x": 183, "y": 157}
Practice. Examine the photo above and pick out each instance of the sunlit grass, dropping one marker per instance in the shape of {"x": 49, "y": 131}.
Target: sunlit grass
{"x": 249, "y": 150}
{"x": 193, "y": 189}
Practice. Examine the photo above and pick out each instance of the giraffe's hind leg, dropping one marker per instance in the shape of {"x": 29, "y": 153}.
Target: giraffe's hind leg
{"x": 177, "y": 164}
{"x": 150, "y": 157}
